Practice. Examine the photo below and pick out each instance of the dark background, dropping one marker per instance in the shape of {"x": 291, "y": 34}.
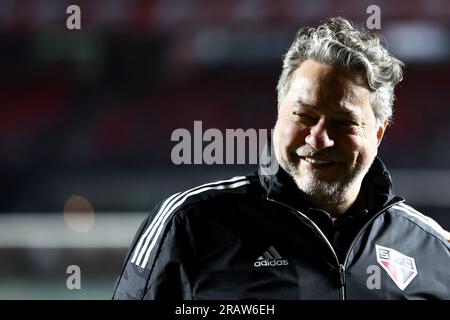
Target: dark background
{"x": 90, "y": 113}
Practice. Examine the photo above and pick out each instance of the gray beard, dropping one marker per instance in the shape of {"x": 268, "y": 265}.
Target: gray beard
{"x": 325, "y": 195}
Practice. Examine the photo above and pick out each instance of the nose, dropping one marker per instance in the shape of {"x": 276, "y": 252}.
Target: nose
{"x": 318, "y": 137}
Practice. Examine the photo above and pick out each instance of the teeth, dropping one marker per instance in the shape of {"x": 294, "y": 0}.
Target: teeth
{"x": 316, "y": 161}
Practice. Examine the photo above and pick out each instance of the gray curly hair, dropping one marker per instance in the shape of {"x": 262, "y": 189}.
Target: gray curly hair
{"x": 338, "y": 42}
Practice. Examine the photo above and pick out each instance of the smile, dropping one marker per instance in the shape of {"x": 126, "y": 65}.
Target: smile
{"x": 315, "y": 161}
{"x": 318, "y": 163}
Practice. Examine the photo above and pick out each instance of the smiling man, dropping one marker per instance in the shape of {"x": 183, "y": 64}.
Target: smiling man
{"x": 327, "y": 134}
{"x": 320, "y": 221}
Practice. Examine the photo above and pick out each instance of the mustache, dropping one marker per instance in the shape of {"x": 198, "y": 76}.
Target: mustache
{"x": 325, "y": 154}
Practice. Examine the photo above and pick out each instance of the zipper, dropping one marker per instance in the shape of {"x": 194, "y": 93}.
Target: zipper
{"x": 398, "y": 200}
{"x": 341, "y": 267}
{"x": 342, "y": 282}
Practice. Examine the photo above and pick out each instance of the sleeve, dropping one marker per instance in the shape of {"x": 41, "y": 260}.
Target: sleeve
{"x": 153, "y": 267}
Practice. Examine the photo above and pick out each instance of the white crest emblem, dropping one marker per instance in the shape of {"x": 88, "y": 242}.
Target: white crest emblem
{"x": 401, "y": 268}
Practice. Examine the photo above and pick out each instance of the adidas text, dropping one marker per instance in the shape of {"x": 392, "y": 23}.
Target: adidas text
{"x": 271, "y": 263}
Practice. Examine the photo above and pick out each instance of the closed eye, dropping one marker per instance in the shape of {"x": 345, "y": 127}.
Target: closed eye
{"x": 347, "y": 123}
{"x": 303, "y": 116}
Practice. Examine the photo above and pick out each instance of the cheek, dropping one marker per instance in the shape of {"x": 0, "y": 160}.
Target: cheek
{"x": 351, "y": 147}
{"x": 361, "y": 150}
{"x": 292, "y": 135}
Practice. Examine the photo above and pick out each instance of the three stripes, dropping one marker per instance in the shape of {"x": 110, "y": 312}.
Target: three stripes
{"x": 271, "y": 253}
{"x": 151, "y": 235}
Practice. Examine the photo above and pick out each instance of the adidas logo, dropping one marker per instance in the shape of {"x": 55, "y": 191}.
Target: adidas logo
{"x": 270, "y": 258}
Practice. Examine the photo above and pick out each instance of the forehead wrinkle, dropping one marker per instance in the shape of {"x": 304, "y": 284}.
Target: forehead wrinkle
{"x": 332, "y": 89}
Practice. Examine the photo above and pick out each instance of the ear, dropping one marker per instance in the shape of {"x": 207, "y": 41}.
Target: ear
{"x": 380, "y": 131}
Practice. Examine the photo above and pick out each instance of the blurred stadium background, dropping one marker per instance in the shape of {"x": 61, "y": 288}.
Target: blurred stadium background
{"x": 86, "y": 117}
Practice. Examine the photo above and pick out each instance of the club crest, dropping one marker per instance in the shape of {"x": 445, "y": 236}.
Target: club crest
{"x": 401, "y": 268}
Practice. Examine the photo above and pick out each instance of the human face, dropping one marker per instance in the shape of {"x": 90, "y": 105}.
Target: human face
{"x": 326, "y": 135}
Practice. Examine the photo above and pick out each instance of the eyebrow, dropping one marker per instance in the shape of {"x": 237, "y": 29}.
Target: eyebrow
{"x": 305, "y": 105}
{"x": 345, "y": 111}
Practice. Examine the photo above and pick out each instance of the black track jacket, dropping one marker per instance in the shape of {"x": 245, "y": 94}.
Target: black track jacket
{"x": 255, "y": 237}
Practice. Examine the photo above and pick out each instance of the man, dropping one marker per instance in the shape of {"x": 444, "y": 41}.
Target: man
{"x": 326, "y": 224}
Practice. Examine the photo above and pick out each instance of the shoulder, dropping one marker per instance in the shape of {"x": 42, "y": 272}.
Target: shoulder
{"x": 424, "y": 222}
{"x": 208, "y": 194}
{"x": 161, "y": 223}
{"x": 205, "y": 193}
